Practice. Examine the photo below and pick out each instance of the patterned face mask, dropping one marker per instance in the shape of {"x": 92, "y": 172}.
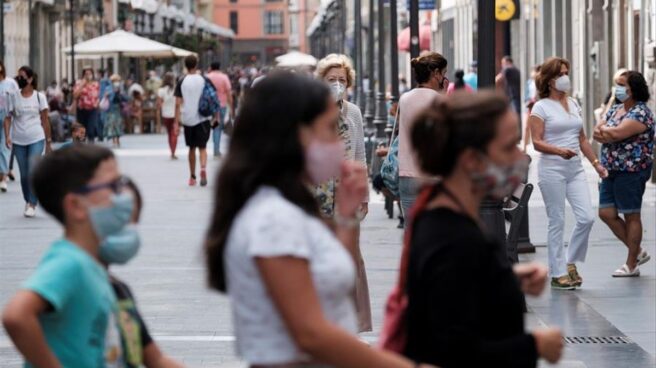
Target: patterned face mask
{"x": 500, "y": 181}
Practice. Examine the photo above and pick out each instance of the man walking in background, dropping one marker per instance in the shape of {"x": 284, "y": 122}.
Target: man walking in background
{"x": 197, "y": 128}
{"x": 509, "y": 80}
{"x": 223, "y": 88}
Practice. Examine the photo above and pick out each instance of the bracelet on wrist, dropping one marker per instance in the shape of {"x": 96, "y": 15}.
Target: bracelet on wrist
{"x": 595, "y": 162}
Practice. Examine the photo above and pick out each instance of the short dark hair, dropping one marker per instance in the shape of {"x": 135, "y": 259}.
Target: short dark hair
{"x": 637, "y": 85}
{"x": 3, "y": 71}
{"x": 191, "y": 62}
{"x": 445, "y": 130}
{"x": 77, "y": 126}
{"x": 507, "y": 59}
{"x": 64, "y": 171}
{"x": 216, "y": 65}
{"x": 138, "y": 199}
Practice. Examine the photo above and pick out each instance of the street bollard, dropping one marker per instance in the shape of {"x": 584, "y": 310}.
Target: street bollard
{"x": 492, "y": 216}
{"x": 524, "y": 244}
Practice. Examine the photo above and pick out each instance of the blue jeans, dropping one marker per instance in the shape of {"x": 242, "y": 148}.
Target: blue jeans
{"x": 624, "y": 190}
{"x": 4, "y": 153}
{"x": 216, "y": 132}
{"x": 25, "y": 155}
{"x": 408, "y": 190}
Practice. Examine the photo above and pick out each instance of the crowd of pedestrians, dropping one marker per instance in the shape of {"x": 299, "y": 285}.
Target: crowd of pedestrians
{"x": 283, "y": 241}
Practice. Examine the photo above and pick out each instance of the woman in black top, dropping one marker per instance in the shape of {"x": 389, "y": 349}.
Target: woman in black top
{"x": 465, "y": 304}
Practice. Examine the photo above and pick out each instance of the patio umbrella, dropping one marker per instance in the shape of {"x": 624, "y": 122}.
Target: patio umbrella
{"x": 294, "y": 59}
{"x": 127, "y": 44}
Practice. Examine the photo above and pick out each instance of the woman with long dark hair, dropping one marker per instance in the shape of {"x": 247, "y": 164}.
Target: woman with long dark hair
{"x": 27, "y": 120}
{"x": 288, "y": 273}
{"x": 465, "y": 305}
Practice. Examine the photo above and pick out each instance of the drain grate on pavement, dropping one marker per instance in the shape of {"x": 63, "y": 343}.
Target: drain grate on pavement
{"x": 577, "y": 340}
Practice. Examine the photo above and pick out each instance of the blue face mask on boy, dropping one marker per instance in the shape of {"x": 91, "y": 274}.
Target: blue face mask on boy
{"x": 121, "y": 247}
{"x": 112, "y": 219}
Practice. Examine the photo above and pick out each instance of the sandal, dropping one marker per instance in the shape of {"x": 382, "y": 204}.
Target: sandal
{"x": 624, "y": 271}
{"x": 643, "y": 258}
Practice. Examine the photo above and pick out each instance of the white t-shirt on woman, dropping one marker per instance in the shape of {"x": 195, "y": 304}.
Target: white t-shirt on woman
{"x": 271, "y": 226}
{"x": 26, "y": 125}
{"x": 561, "y": 128}
{"x": 168, "y": 101}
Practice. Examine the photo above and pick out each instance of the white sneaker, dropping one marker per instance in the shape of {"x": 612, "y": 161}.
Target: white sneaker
{"x": 30, "y": 211}
{"x": 3, "y": 186}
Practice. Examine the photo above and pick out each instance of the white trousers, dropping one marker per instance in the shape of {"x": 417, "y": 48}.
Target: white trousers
{"x": 560, "y": 180}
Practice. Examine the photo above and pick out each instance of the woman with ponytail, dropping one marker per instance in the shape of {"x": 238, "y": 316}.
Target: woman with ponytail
{"x": 430, "y": 74}
{"x": 465, "y": 304}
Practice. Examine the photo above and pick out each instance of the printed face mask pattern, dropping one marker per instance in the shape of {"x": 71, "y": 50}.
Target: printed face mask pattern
{"x": 499, "y": 181}
{"x": 337, "y": 90}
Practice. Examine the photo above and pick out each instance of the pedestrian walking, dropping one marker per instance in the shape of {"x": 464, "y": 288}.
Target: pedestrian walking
{"x": 87, "y": 98}
{"x": 113, "y": 115}
{"x": 430, "y": 73}
{"x": 471, "y": 78}
{"x": 197, "y": 128}
{"x": 627, "y": 137}
{"x": 223, "y": 88}
{"x": 337, "y": 71}
{"x": 288, "y": 274}
{"x": 509, "y": 80}
{"x": 459, "y": 83}
{"x": 166, "y": 108}
{"x": 105, "y": 85}
{"x": 8, "y": 87}
{"x": 64, "y": 314}
{"x": 472, "y": 317}
{"x": 530, "y": 98}
{"x": 27, "y": 122}
{"x": 556, "y": 126}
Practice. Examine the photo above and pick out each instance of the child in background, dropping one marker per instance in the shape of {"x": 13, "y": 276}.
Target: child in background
{"x": 78, "y": 135}
{"x": 64, "y": 314}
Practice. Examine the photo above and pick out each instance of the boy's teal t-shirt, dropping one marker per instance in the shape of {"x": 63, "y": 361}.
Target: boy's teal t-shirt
{"x": 81, "y": 329}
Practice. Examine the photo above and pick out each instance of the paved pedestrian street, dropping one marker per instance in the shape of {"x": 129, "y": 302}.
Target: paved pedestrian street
{"x": 608, "y": 323}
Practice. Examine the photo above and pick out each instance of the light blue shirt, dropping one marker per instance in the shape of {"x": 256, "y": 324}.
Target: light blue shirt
{"x": 81, "y": 329}
{"x": 472, "y": 80}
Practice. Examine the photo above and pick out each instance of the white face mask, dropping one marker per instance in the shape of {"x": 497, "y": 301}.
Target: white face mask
{"x": 563, "y": 84}
{"x": 337, "y": 89}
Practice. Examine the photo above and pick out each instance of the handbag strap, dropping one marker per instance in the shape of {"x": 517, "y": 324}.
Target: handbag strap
{"x": 396, "y": 120}
{"x": 427, "y": 193}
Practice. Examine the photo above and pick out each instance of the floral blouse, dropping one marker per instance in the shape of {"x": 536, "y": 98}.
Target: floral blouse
{"x": 89, "y": 95}
{"x": 325, "y": 193}
{"x": 634, "y": 153}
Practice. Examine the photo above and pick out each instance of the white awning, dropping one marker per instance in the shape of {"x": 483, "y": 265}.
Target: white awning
{"x": 126, "y": 44}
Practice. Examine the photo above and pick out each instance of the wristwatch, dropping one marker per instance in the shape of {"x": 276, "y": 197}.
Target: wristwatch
{"x": 595, "y": 162}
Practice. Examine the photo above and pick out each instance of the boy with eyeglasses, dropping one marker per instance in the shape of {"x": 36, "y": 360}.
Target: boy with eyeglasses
{"x": 64, "y": 314}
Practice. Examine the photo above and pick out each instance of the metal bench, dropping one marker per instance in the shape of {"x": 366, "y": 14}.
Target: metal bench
{"x": 514, "y": 210}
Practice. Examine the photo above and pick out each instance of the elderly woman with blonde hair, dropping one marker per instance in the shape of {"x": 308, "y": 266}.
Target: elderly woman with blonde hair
{"x": 337, "y": 71}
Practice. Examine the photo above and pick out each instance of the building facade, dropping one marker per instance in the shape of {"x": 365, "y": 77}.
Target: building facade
{"x": 597, "y": 36}
{"x": 261, "y": 28}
